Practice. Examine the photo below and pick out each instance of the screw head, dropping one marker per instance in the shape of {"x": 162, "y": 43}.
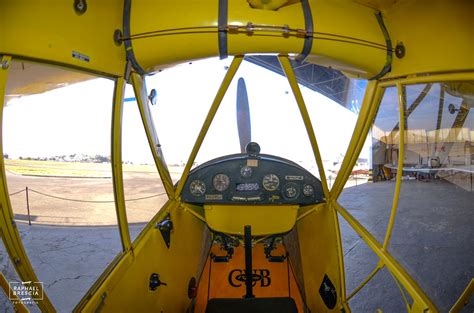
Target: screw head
{"x": 400, "y": 50}
{"x": 5, "y": 64}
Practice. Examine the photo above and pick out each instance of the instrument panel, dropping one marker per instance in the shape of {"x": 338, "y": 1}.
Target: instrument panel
{"x": 251, "y": 179}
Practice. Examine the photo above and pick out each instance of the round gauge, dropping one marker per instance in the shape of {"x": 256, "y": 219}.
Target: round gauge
{"x": 221, "y": 182}
{"x": 270, "y": 182}
{"x": 252, "y": 148}
{"x": 246, "y": 172}
{"x": 308, "y": 191}
{"x": 197, "y": 188}
{"x": 291, "y": 191}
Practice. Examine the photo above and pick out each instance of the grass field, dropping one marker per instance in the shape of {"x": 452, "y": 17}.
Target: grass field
{"x": 75, "y": 169}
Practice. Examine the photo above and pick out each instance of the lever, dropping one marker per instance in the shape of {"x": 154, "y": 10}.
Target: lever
{"x": 155, "y": 282}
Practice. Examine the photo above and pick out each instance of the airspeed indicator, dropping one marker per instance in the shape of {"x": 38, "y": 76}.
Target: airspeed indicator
{"x": 270, "y": 182}
{"x": 221, "y": 182}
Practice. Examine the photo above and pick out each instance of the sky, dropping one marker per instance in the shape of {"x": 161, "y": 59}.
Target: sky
{"x": 77, "y": 118}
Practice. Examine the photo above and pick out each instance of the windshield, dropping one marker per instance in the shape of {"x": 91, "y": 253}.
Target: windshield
{"x": 186, "y": 92}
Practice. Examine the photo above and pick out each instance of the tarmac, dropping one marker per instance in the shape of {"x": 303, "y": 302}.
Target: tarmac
{"x": 433, "y": 239}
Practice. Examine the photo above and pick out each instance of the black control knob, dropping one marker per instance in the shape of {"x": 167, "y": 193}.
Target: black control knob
{"x": 252, "y": 149}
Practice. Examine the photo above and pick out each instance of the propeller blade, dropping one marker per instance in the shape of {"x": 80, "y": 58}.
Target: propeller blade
{"x": 243, "y": 115}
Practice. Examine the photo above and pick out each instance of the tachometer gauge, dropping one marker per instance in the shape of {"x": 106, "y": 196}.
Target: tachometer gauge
{"x": 308, "y": 191}
{"x": 270, "y": 182}
{"x": 291, "y": 191}
{"x": 221, "y": 182}
{"x": 197, "y": 188}
{"x": 246, "y": 172}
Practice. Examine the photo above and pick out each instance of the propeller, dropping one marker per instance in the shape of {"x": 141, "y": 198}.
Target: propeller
{"x": 243, "y": 115}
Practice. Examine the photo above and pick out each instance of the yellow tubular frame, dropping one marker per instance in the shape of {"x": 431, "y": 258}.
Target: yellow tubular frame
{"x": 139, "y": 88}
{"x": 401, "y": 155}
{"x": 363, "y": 125}
{"x": 340, "y": 255}
{"x": 234, "y": 66}
{"x": 16, "y": 302}
{"x": 419, "y": 297}
{"x": 286, "y": 65}
{"x": 366, "y": 117}
{"x": 117, "y": 113}
{"x": 8, "y": 230}
{"x": 464, "y": 298}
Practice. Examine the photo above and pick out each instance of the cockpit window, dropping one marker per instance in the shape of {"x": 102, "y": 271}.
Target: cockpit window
{"x": 57, "y": 159}
{"x": 186, "y": 92}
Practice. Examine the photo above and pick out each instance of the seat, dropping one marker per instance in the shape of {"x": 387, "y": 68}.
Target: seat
{"x": 252, "y": 305}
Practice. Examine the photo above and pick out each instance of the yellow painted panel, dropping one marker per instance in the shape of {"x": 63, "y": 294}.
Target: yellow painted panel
{"x": 264, "y": 219}
{"x": 126, "y": 288}
{"x": 345, "y": 33}
{"x": 179, "y": 45}
{"x": 354, "y": 25}
{"x": 438, "y": 36}
{"x": 318, "y": 246}
{"x": 52, "y": 31}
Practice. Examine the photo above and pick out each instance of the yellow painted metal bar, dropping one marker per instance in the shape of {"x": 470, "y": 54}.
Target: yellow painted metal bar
{"x": 464, "y": 298}
{"x": 16, "y": 302}
{"x": 117, "y": 173}
{"x": 305, "y": 211}
{"x": 364, "y": 123}
{"x": 286, "y": 65}
{"x": 421, "y": 300}
{"x": 103, "y": 277}
{"x": 400, "y": 287}
{"x": 234, "y": 66}
{"x": 150, "y": 130}
{"x": 401, "y": 156}
{"x": 8, "y": 230}
{"x": 365, "y": 281}
{"x": 340, "y": 255}
{"x": 187, "y": 208}
{"x": 458, "y": 76}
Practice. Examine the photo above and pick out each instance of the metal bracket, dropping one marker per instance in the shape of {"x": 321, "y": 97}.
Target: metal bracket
{"x": 268, "y": 248}
{"x": 165, "y": 227}
{"x": 5, "y": 64}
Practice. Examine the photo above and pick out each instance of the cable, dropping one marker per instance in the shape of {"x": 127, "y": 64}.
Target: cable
{"x": 15, "y": 193}
{"x": 92, "y": 201}
{"x": 214, "y": 29}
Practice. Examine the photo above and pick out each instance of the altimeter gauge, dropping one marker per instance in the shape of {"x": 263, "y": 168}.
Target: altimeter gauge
{"x": 270, "y": 182}
{"x": 290, "y": 191}
{"x": 221, "y": 182}
{"x": 197, "y": 188}
{"x": 246, "y": 172}
{"x": 308, "y": 191}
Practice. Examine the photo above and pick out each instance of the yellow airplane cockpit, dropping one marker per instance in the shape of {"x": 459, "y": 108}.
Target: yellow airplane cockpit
{"x": 255, "y": 224}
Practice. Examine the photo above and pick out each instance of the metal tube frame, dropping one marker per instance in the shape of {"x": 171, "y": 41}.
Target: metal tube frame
{"x": 116, "y": 158}
{"x": 16, "y": 302}
{"x": 139, "y": 87}
{"x": 287, "y": 68}
{"x": 401, "y": 156}
{"x": 234, "y": 66}
{"x": 367, "y": 116}
{"x": 290, "y": 75}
